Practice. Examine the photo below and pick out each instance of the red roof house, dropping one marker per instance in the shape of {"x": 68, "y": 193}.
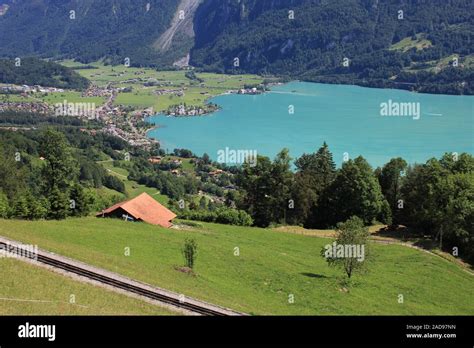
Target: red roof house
{"x": 141, "y": 208}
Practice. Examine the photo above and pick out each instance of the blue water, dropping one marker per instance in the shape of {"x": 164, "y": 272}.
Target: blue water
{"x": 346, "y": 117}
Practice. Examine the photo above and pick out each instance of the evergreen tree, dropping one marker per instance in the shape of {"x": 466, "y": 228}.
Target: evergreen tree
{"x": 60, "y": 205}
{"x": 61, "y": 169}
{"x": 304, "y": 199}
{"x": 266, "y": 189}
{"x": 38, "y": 207}
{"x": 315, "y": 173}
{"x": 12, "y": 174}
{"x": 255, "y": 182}
{"x": 20, "y": 207}
{"x": 390, "y": 179}
{"x": 81, "y": 200}
{"x": 4, "y": 205}
{"x": 59, "y": 172}
{"x": 281, "y": 180}
{"x": 320, "y": 165}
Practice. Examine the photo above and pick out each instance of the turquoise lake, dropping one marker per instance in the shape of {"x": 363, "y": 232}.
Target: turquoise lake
{"x": 348, "y": 118}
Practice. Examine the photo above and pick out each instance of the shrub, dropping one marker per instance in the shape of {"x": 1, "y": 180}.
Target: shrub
{"x": 3, "y": 206}
{"x": 189, "y": 252}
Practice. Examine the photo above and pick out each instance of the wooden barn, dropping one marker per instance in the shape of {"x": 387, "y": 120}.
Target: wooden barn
{"x": 141, "y": 208}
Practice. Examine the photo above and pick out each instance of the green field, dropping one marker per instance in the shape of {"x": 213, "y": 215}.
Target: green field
{"x": 26, "y": 289}
{"x": 271, "y": 266}
{"x": 435, "y": 66}
{"x": 52, "y": 98}
{"x": 420, "y": 43}
{"x": 71, "y": 97}
{"x": 195, "y": 93}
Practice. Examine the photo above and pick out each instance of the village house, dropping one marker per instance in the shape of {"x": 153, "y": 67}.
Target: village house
{"x": 216, "y": 172}
{"x": 155, "y": 160}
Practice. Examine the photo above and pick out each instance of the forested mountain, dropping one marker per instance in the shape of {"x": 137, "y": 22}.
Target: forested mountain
{"x": 85, "y": 29}
{"x": 384, "y": 41}
{"x": 411, "y": 44}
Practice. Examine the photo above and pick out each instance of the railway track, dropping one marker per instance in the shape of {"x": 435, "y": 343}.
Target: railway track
{"x": 173, "y": 300}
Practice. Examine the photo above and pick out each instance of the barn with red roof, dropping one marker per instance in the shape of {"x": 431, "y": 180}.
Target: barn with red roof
{"x": 141, "y": 208}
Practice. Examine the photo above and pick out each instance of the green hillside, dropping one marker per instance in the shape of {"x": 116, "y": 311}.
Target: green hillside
{"x": 33, "y": 71}
{"x": 26, "y": 289}
{"x": 270, "y": 267}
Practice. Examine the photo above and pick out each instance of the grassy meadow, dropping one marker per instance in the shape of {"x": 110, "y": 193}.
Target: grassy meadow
{"x": 258, "y": 270}
{"x": 26, "y": 289}
{"x": 195, "y": 92}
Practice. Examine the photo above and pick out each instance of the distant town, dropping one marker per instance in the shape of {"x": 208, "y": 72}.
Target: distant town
{"x": 127, "y": 122}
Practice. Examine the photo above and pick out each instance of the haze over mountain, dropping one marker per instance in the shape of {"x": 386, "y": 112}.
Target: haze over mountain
{"x": 413, "y": 44}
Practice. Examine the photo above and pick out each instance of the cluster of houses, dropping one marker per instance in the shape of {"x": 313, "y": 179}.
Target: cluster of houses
{"x": 159, "y": 159}
{"x": 184, "y": 110}
{"x": 39, "y": 108}
{"x": 92, "y": 132}
{"x": 133, "y": 138}
{"x": 29, "y": 89}
{"x": 95, "y": 91}
{"x": 110, "y": 112}
{"x": 175, "y": 92}
{"x": 155, "y": 82}
{"x": 144, "y": 113}
{"x": 252, "y": 91}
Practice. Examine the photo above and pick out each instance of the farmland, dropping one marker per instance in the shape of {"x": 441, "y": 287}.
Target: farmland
{"x": 194, "y": 92}
{"x": 145, "y": 87}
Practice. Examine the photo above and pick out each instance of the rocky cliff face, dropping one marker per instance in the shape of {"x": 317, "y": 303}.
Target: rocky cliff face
{"x": 176, "y": 42}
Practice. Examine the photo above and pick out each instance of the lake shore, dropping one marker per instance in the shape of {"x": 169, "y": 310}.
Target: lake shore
{"x": 345, "y": 103}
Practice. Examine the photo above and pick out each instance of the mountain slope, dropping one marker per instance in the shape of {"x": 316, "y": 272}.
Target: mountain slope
{"x": 412, "y": 44}
{"x": 115, "y": 29}
{"x": 314, "y": 45}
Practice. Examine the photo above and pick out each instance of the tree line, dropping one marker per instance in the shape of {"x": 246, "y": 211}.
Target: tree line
{"x": 435, "y": 199}
{"x": 54, "y": 174}
{"x": 43, "y": 177}
{"x": 33, "y": 71}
